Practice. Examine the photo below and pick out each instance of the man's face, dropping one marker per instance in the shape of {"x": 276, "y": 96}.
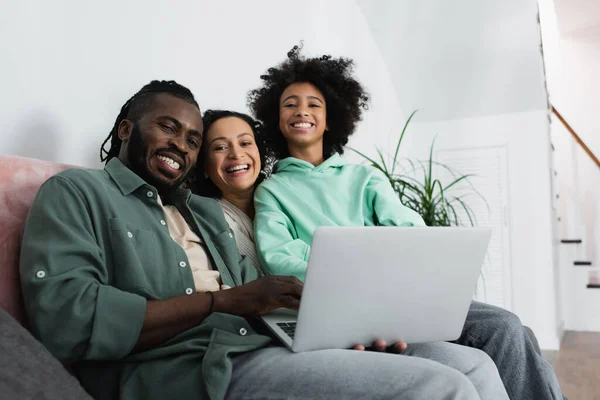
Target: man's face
{"x": 163, "y": 145}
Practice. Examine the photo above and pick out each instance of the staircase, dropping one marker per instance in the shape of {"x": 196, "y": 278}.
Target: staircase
{"x": 580, "y": 288}
{"x": 579, "y": 277}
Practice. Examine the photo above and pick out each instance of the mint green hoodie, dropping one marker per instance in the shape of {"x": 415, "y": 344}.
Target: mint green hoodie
{"x": 299, "y": 197}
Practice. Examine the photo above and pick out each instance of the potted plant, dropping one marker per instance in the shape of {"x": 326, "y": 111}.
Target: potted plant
{"x": 439, "y": 203}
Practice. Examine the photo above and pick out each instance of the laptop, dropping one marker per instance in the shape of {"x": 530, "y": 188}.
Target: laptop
{"x": 394, "y": 283}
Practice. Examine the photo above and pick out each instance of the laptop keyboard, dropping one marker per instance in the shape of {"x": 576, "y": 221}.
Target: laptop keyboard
{"x": 288, "y": 327}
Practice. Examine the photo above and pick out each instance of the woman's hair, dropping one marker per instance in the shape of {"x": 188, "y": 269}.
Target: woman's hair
{"x": 345, "y": 99}
{"x": 206, "y": 187}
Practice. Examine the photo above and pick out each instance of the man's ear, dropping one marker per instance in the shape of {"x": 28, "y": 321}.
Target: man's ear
{"x": 124, "y": 129}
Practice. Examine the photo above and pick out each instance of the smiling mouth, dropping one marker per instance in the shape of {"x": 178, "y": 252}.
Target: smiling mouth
{"x": 302, "y": 125}
{"x": 170, "y": 162}
{"x": 168, "y": 166}
{"x": 238, "y": 169}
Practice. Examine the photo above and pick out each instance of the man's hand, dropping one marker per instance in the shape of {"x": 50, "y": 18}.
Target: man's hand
{"x": 260, "y": 296}
{"x": 167, "y": 318}
{"x": 381, "y": 345}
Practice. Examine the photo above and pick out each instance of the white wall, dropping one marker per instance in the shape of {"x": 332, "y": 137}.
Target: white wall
{"x": 68, "y": 66}
{"x": 576, "y": 15}
{"x": 475, "y": 71}
{"x": 460, "y": 59}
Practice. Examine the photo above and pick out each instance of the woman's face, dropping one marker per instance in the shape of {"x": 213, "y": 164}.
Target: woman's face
{"x": 232, "y": 158}
{"x": 302, "y": 115}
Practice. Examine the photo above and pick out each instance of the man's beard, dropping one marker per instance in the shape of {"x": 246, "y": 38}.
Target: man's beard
{"x": 137, "y": 154}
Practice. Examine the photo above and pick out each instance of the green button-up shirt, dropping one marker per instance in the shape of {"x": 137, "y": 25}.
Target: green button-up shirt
{"x": 95, "y": 248}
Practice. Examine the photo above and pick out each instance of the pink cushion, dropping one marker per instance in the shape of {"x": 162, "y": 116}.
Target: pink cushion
{"x": 20, "y": 179}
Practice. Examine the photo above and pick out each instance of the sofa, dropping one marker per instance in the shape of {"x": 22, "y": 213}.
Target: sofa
{"x": 28, "y": 371}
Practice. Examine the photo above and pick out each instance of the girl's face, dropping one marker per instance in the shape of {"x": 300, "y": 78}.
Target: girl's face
{"x": 302, "y": 116}
{"x": 232, "y": 158}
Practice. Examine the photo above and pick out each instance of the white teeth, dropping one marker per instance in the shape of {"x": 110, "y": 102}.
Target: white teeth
{"x": 173, "y": 164}
{"x": 302, "y": 125}
{"x": 238, "y": 168}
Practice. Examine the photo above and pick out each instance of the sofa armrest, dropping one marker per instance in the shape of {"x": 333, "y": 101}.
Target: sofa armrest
{"x": 28, "y": 370}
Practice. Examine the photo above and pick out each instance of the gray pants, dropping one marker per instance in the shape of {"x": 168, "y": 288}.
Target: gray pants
{"x": 497, "y": 332}
{"x": 501, "y": 335}
{"x": 426, "y": 371}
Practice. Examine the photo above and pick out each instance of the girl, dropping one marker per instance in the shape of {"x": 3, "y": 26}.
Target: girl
{"x": 309, "y": 108}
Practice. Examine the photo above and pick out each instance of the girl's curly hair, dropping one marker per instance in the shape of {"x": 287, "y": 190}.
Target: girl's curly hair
{"x": 203, "y": 185}
{"x": 345, "y": 99}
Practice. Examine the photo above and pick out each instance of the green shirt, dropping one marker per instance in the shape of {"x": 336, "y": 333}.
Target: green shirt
{"x": 300, "y": 197}
{"x": 95, "y": 248}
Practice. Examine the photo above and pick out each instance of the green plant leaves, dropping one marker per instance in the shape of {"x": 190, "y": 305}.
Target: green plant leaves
{"x": 418, "y": 188}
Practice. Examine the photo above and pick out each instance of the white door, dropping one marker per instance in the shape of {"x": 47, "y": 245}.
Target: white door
{"x": 488, "y": 165}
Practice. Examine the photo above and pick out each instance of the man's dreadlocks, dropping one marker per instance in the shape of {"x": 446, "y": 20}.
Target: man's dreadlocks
{"x": 136, "y": 105}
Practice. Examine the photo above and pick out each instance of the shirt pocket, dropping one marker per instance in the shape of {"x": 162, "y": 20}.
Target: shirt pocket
{"x": 136, "y": 261}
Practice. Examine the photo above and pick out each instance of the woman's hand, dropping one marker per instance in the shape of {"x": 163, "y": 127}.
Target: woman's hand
{"x": 381, "y": 345}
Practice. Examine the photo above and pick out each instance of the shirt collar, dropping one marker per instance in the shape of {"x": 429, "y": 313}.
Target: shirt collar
{"x": 128, "y": 181}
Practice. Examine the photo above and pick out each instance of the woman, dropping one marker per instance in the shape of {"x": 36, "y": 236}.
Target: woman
{"x": 232, "y": 163}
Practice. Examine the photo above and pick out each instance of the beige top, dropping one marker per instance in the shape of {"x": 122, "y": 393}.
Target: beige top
{"x": 243, "y": 230}
{"x": 206, "y": 279}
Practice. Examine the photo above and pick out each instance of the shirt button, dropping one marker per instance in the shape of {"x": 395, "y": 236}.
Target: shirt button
{"x": 182, "y": 264}
{"x": 41, "y": 274}
{"x": 162, "y": 222}
{"x": 189, "y": 291}
{"x": 150, "y": 193}
{"x": 130, "y": 234}
{"x": 230, "y": 235}
{"x": 243, "y": 331}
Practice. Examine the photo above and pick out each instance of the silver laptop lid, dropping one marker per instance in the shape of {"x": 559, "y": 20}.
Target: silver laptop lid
{"x": 364, "y": 283}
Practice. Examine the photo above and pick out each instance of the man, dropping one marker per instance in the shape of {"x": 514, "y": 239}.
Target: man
{"x": 122, "y": 269}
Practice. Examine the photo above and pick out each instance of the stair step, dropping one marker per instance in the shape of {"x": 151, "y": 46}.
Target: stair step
{"x": 582, "y": 263}
{"x": 571, "y": 241}
{"x": 593, "y": 286}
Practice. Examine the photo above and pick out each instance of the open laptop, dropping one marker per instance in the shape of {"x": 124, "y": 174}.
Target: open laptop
{"x": 394, "y": 283}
